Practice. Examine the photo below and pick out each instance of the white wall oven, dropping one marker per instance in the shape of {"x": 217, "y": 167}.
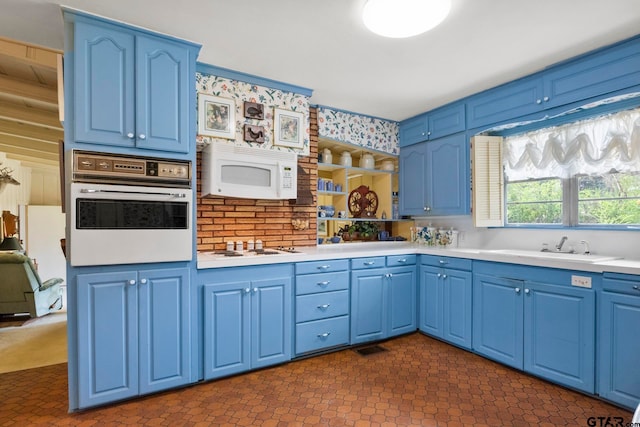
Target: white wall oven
{"x": 127, "y": 210}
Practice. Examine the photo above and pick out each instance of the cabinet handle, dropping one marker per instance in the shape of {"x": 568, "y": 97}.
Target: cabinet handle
{"x": 439, "y": 275}
{"x": 545, "y": 99}
{"x": 388, "y": 275}
{"x": 324, "y": 306}
{"x": 369, "y": 262}
{"x": 130, "y": 135}
{"x": 247, "y": 290}
{"x": 142, "y": 136}
{"x": 402, "y": 260}
{"x": 538, "y": 101}
{"x": 143, "y": 281}
{"x": 255, "y": 290}
{"x": 427, "y": 209}
{"x": 444, "y": 276}
{"x": 636, "y": 287}
{"x": 132, "y": 282}
{"x": 526, "y": 291}
{"x": 517, "y": 290}
{"x": 325, "y": 283}
{"x": 323, "y": 267}
{"x": 326, "y": 334}
{"x": 443, "y": 261}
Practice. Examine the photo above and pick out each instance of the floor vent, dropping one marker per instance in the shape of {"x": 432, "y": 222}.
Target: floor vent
{"x": 368, "y": 351}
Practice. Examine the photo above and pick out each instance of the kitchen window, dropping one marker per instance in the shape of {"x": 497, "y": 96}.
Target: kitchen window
{"x": 583, "y": 174}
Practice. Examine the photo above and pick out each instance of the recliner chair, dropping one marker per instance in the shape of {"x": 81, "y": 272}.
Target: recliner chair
{"x": 22, "y": 291}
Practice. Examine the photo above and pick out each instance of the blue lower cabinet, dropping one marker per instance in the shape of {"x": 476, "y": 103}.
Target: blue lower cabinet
{"x": 133, "y": 329}
{"x": 545, "y": 329}
{"x": 445, "y": 304}
{"x": 322, "y": 334}
{"x": 619, "y": 342}
{"x": 247, "y": 325}
{"x": 559, "y": 334}
{"x": 368, "y": 305}
{"x": 383, "y": 302}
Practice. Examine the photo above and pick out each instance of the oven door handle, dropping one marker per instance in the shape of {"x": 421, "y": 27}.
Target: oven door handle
{"x": 90, "y": 190}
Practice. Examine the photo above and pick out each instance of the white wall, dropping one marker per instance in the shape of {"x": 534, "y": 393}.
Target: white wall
{"x": 41, "y": 228}
{"x": 616, "y": 243}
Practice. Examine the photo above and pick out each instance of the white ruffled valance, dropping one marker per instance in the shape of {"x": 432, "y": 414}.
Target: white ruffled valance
{"x": 593, "y": 146}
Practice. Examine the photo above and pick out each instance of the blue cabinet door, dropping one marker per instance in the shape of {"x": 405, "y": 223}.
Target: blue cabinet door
{"x": 456, "y": 311}
{"x": 402, "y": 300}
{"x": 107, "y": 337}
{"x": 447, "y": 179}
{"x": 430, "y": 310}
{"x": 271, "y": 303}
{"x": 104, "y": 86}
{"x": 227, "y": 329}
{"x": 162, "y": 97}
{"x": 447, "y": 120}
{"x": 593, "y": 75}
{"x": 413, "y": 175}
{"x": 503, "y": 103}
{"x": 619, "y": 347}
{"x": 164, "y": 329}
{"x": 498, "y": 319}
{"x": 368, "y": 305}
{"x": 414, "y": 130}
{"x": 559, "y": 331}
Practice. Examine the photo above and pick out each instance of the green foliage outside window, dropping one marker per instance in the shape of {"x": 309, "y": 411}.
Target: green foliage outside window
{"x": 608, "y": 199}
{"x": 534, "y": 202}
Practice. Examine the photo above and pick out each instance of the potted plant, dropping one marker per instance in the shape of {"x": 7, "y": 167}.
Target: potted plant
{"x": 368, "y": 230}
{"x": 348, "y": 232}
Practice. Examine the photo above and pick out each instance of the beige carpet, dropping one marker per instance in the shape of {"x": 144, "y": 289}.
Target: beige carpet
{"x": 37, "y": 342}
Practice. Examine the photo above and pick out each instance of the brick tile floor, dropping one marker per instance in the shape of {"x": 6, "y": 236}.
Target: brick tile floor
{"x": 418, "y": 381}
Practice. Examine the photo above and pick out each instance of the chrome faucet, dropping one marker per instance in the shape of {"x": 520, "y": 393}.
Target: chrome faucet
{"x": 559, "y": 245}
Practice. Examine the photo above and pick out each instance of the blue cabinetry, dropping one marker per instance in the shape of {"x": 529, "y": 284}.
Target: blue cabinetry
{"x": 433, "y": 125}
{"x": 434, "y": 177}
{"x": 383, "y": 297}
{"x": 131, "y": 89}
{"x": 133, "y": 332}
{"x": 587, "y": 77}
{"x": 247, "y": 324}
{"x": 445, "y": 291}
{"x": 322, "y": 305}
{"x": 619, "y": 339}
{"x": 536, "y": 321}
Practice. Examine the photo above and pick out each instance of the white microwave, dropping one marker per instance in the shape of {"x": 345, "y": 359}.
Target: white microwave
{"x": 249, "y": 173}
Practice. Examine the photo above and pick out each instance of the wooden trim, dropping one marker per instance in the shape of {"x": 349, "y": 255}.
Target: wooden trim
{"x": 34, "y": 116}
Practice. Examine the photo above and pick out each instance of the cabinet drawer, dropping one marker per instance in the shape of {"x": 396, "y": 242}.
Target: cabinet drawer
{"x": 369, "y": 262}
{"x": 320, "y": 334}
{"x": 446, "y": 262}
{"x": 400, "y": 260}
{"x": 322, "y": 266}
{"x": 322, "y": 306}
{"x": 324, "y": 282}
{"x": 628, "y": 286}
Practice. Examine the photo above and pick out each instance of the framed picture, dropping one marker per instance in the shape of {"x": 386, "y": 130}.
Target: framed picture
{"x": 253, "y": 110}
{"x": 254, "y": 133}
{"x": 216, "y": 116}
{"x": 288, "y": 128}
{"x": 322, "y": 227}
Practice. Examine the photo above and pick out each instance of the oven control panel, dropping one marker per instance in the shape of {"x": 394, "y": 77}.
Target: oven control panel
{"x": 135, "y": 170}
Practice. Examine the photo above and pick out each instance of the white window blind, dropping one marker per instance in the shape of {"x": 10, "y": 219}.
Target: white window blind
{"x": 488, "y": 181}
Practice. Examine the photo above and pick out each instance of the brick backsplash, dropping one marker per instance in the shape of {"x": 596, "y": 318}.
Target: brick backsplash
{"x": 220, "y": 219}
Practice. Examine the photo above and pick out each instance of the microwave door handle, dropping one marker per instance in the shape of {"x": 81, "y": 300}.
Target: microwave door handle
{"x": 90, "y": 190}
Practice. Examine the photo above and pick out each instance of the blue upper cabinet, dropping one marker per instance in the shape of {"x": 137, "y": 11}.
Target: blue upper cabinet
{"x": 506, "y": 102}
{"x": 130, "y": 88}
{"x": 434, "y": 177}
{"x": 435, "y": 124}
{"x": 588, "y": 77}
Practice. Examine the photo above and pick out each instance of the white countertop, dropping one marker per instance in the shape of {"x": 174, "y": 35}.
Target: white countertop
{"x": 593, "y": 263}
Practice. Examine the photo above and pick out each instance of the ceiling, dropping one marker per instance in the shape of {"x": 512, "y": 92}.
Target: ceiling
{"x": 30, "y": 127}
{"x": 323, "y": 45}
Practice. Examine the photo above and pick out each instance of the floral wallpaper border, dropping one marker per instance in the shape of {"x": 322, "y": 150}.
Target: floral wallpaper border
{"x": 365, "y": 131}
{"x": 271, "y": 98}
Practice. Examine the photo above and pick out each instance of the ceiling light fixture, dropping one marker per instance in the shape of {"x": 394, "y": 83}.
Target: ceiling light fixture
{"x": 404, "y": 18}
